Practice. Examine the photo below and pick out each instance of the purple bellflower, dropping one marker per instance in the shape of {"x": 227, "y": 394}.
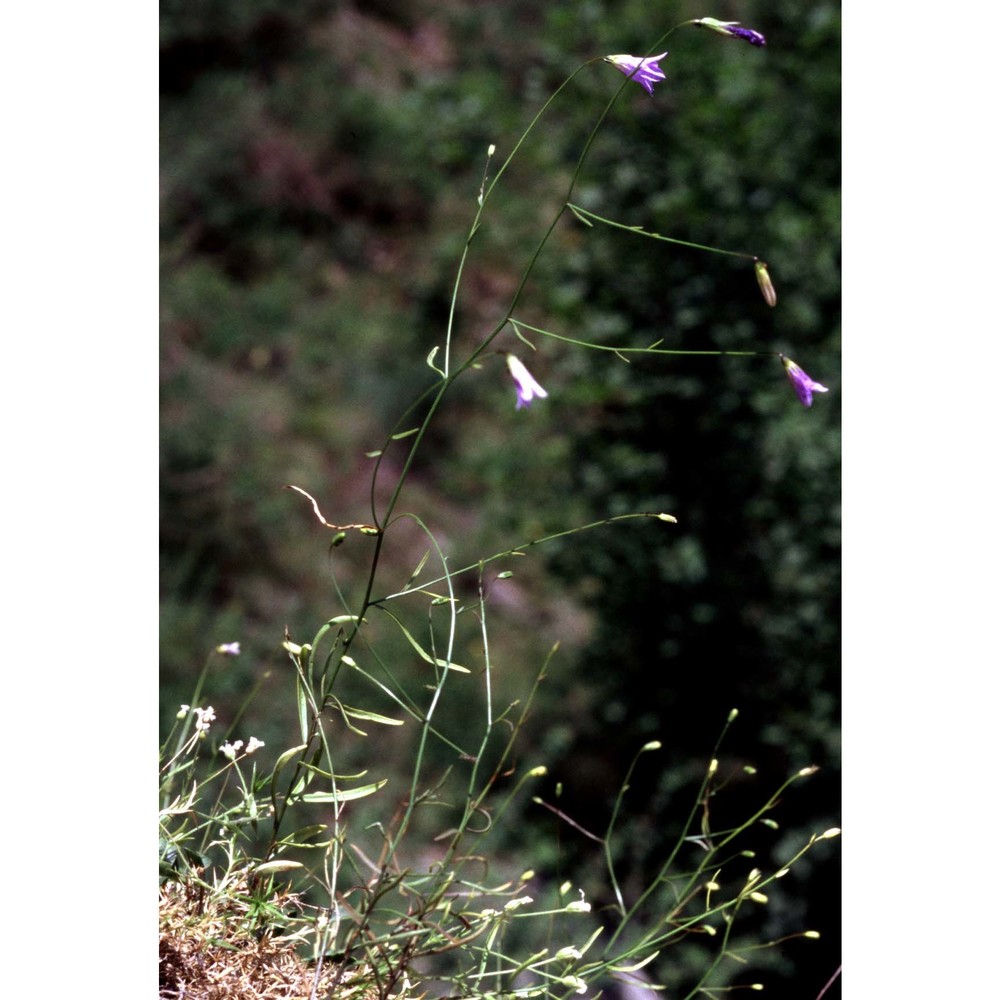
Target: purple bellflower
{"x": 645, "y": 72}
{"x": 803, "y": 385}
{"x": 733, "y": 29}
{"x": 527, "y": 388}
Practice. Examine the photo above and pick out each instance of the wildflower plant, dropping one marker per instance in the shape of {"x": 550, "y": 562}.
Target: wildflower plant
{"x": 425, "y": 896}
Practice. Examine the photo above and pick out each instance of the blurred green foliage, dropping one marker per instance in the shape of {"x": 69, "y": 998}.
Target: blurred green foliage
{"x": 320, "y": 163}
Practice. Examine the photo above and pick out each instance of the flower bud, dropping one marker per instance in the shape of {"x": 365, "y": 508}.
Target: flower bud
{"x": 764, "y": 280}
{"x": 733, "y": 29}
{"x": 513, "y": 904}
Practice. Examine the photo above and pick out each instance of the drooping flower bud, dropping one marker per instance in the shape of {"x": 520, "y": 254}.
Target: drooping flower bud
{"x": 764, "y": 280}
{"x": 733, "y": 29}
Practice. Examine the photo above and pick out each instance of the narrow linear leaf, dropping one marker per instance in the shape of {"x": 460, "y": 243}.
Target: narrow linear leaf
{"x": 425, "y": 656}
{"x": 331, "y": 777}
{"x": 361, "y": 713}
{"x": 420, "y": 566}
{"x": 277, "y": 866}
{"x": 304, "y": 834}
{"x": 347, "y": 795}
{"x": 284, "y": 759}
{"x": 637, "y": 966}
{"x": 302, "y": 700}
{"x": 279, "y": 764}
{"x": 593, "y": 937}
{"x": 339, "y": 705}
{"x": 430, "y": 361}
{"x": 520, "y": 336}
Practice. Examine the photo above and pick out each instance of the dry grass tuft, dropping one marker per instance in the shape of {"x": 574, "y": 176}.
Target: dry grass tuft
{"x": 209, "y": 949}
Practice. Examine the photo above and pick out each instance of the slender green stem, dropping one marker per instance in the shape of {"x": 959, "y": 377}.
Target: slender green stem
{"x": 521, "y": 549}
{"x": 448, "y": 377}
{"x": 619, "y": 799}
{"x": 518, "y": 324}
{"x": 584, "y": 215}
{"x": 668, "y": 864}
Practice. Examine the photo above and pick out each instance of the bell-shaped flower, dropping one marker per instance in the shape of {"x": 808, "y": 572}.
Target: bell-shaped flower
{"x": 527, "y": 388}
{"x": 733, "y": 29}
{"x": 645, "y": 72}
{"x": 803, "y": 385}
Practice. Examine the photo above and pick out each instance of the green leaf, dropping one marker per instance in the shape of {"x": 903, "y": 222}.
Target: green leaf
{"x": 420, "y": 566}
{"x": 637, "y": 966}
{"x": 284, "y": 759}
{"x": 330, "y": 777}
{"x": 302, "y": 700}
{"x": 298, "y": 837}
{"x": 279, "y": 764}
{"x": 425, "y": 656}
{"x": 347, "y": 795}
{"x": 361, "y": 713}
{"x": 277, "y": 866}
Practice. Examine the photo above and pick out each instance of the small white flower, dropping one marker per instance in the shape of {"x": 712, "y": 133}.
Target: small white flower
{"x": 254, "y": 744}
{"x": 568, "y": 952}
{"x": 230, "y": 749}
{"x": 513, "y": 904}
{"x": 205, "y": 717}
{"x": 229, "y": 649}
